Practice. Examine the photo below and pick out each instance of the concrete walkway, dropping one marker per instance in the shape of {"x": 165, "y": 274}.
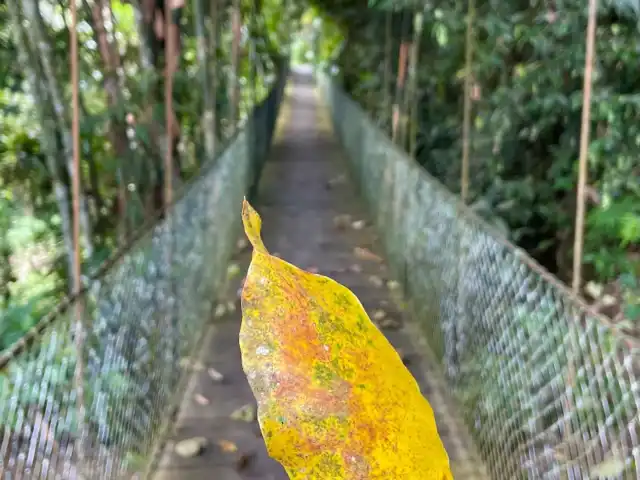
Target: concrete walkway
{"x": 313, "y": 218}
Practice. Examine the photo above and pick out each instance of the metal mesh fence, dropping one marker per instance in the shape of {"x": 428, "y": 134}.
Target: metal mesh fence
{"x": 141, "y": 316}
{"x": 548, "y": 390}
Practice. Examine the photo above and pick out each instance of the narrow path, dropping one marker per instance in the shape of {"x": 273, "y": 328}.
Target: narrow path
{"x": 313, "y": 218}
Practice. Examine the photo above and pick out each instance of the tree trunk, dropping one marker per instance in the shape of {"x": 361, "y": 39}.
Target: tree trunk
{"x": 29, "y": 62}
{"x": 234, "y": 93}
{"x": 107, "y": 46}
{"x": 208, "y": 115}
{"x": 214, "y": 31}
{"x": 386, "y": 79}
{"x": 40, "y": 46}
{"x": 411, "y": 99}
{"x": 400, "y": 81}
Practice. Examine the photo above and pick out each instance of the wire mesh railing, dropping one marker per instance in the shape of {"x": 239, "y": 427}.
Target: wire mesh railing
{"x": 548, "y": 389}
{"x": 142, "y": 314}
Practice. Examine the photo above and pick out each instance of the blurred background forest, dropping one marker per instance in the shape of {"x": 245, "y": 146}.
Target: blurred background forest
{"x": 527, "y": 97}
{"x": 526, "y": 88}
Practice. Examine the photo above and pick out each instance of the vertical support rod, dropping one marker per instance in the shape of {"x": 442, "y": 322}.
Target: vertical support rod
{"x": 580, "y": 199}
{"x": 168, "y": 99}
{"x": 77, "y": 279}
{"x": 466, "y": 121}
{"x": 386, "y": 94}
{"x": 584, "y": 147}
{"x": 213, "y": 53}
{"x": 235, "y": 64}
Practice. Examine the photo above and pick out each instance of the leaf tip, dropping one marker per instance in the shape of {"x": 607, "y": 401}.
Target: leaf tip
{"x": 252, "y": 226}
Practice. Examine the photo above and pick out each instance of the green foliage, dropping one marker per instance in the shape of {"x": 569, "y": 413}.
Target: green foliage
{"x": 527, "y": 78}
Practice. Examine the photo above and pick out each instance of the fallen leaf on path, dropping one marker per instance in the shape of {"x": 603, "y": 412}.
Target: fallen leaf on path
{"x": 393, "y": 285}
{"x": 366, "y": 254}
{"x": 389, "y": 323}
{"x": 227, "y": 446}
{"x": 379, "y": 315}
{"x": 201, "y": 399}
{"x": 220, "y": 311}
{"x": 242, "y": 244}
{"x": 246, "y": 413}
{"x": 191, "y": 447}
{"x": 355, "y": 268}
{"x": 233, "y": 270}
{"x": 215, "y": 375}
{"x": 376, "y": 281}
{"x": 334, "y": 399}
{"x": 359, "y": 224}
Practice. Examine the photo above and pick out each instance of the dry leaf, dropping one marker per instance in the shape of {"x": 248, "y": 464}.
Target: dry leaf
{"x": 366, "y": 254}
{"x": 220, "y": 311}
{"x": 389, "y": 323}
{"x": 201, "y": 399}
{"x": 242, "y": 244}
{"x": 246, "y": 413}
{"x": 233, "y": 270}
{"x": 393, "y": 285}
{"x": 379, "y": 315}
{"x": 191, "y": 447}
{"x": 215, "y": 375}
{"x": 359, "y": 224}
{"x": 227, "y": 446}
{"x": 334, "y": 398}
{"x": 376, "y": 281}
{"x": 355, "y": 268}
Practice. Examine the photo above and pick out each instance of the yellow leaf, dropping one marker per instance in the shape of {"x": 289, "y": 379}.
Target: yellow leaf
{"x": 334, "y": 399}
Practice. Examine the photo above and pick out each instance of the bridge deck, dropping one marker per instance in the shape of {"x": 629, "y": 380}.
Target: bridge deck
{"x": 303, "y": 194}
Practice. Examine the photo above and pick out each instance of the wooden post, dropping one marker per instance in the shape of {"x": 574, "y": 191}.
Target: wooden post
{"x": 466, "y": 121}
{"x": 80, "y": 333}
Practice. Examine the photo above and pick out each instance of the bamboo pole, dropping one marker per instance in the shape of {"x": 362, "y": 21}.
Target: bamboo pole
{"x": 585, "y": 128}
{"x": 80, "y": 333}
{"x": 466, "y": 121}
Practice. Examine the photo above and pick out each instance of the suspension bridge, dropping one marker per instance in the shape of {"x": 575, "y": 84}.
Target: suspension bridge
{"x": 525, "y": 382}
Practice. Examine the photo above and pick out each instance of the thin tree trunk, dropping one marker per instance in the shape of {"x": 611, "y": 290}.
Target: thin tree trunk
{"x": 411, "y": 102}
{"x": 29, "y": 62}
{"x": 39, "y": 43}
{"x": 234, "y": 94}
{"x": 208, "y": 115}
{"x": 107, "y": 46}
{"x": 386, "y": 79}
{"x": 213, "y": 52}
{"x": 400, "y": 81}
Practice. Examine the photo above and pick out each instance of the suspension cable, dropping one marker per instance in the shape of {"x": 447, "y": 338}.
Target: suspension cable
{"x": 77, "y": 280}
